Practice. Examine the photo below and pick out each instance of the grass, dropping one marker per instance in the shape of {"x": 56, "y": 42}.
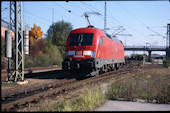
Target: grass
{"x": 151, "y": 86}
{"x": 9, "y": 84}
{"x": 86, "y": 102}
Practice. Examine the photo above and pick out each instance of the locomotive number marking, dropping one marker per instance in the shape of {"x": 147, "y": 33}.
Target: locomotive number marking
{"x": 79, "y": 53}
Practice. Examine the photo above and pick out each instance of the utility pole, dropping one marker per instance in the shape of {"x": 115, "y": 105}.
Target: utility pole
{"x": 168, "y": 35}
{"x": 53, "y": 15}
{"x": 168, "y": 40}
{"x": 105, "y": 18}
{"x": 16, "y": 70}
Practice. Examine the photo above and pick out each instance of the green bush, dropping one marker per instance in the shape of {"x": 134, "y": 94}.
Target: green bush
{"x": 43, "y": 56}
{"x": 53, "y": 53}
{"x": 166, "y": 62}
{"x": 44, "y": 60}
{"x": 150, "y": 86}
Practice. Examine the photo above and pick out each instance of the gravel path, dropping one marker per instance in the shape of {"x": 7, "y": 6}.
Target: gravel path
{"x": 132, "y": 106}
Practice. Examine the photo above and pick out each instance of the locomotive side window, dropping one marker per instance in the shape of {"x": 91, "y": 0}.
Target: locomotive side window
{"x": 101, "y": 41}
{"x": 81, "y": 39}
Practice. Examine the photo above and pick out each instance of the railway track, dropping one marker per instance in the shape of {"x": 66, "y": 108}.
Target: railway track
{"x": 30, "y": 71}
{"x": 16, "y": 98}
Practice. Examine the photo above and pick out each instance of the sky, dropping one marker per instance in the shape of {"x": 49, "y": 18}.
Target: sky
{"x": 135, "y": 17}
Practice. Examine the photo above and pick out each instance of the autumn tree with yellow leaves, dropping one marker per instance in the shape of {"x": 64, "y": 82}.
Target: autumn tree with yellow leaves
{"x": 35, "y": 34}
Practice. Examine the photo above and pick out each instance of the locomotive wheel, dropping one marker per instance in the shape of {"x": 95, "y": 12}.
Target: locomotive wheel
{"x": 65, "y": 69}
{"x": 117, "y": 66}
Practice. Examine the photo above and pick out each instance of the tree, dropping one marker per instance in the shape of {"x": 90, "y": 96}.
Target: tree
{"x": 43, "y": 54}
{"x": 35, "y": 33}
{"x": 53, "y": 52}
{"x": 58, "y": 33}
{"x": 38, "y": 48}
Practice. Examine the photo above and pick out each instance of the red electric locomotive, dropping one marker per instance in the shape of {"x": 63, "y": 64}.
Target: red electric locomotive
{"x": 91, "y": 51}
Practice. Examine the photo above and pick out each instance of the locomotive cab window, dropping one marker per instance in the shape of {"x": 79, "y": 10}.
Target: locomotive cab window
{"x": 81, "y": 39}
{"x": 101, "y": 41}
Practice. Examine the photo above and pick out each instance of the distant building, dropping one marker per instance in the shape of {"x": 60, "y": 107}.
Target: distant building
{"x": 4, "y": 26}
{"x": 157, "y": 56}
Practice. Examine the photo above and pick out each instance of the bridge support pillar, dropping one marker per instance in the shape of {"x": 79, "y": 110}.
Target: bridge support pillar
{"x": 167, "y": 53}
{"x": 150, "y": 59}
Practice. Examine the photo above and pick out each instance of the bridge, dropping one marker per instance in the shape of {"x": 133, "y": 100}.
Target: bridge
{"x": 146, "y": 48}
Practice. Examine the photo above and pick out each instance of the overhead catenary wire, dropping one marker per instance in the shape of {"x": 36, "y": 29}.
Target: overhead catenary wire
{"x": 104, "y": 19}
{"x": 114, "y": 19}
{"x": 41, "y": 18}
{"x": 78, "y": 6}
{"x": 5, "y": 10}
{"x": 86, "y": 9}
{"x": 101, "y": 12}
{"x": 72, "y": 12}
{"x": 66, "y": 9}
{"x": 91, "y": 8}
{"x": 127, "y": 11}
{"x": 156, "y": 33}
{"x": 141, "y": 22}
{"x": 55, "y": 11}
{"x": 38, "y": 16}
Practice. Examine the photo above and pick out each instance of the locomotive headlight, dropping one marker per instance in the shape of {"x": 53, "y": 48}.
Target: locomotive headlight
{"x": 69, "y": 53}
{"x": 93, "y": 53}
{"x": 66, "y": 54}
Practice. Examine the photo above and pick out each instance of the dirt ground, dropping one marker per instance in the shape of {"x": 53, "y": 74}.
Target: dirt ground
{"x": 37, "y": 79}
{"x": 28, "y": 82}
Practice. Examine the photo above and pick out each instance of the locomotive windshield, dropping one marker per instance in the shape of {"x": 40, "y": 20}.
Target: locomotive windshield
{"x": 81, "y": 39}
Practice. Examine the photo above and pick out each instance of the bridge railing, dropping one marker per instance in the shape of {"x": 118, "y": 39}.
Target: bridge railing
{"x": 145, "y": 47}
